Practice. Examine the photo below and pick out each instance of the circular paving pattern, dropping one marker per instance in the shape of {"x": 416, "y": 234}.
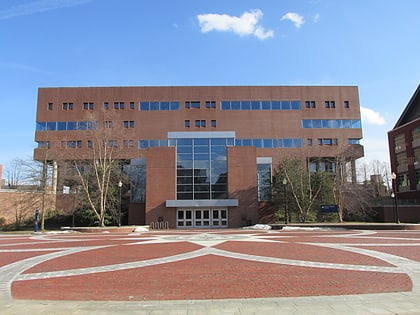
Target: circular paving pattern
{"x": 207, "y": 264}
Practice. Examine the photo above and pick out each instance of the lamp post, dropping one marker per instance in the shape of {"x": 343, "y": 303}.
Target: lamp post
{"x": 119, "y": 208}
{"x": 285, "y": 201}
{"x": 394, "y": 196}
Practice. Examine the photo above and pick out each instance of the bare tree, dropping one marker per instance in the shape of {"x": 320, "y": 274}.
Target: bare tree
{"x": 97, "y": 172}
{"x": 303, "y": 186}
{"x": 15, "y": 173}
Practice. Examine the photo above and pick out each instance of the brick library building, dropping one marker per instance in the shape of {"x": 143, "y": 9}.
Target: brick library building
{"x": 197, "y": 156}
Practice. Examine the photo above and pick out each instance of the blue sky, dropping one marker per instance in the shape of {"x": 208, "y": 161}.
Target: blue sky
{"x": 46, "y": 43}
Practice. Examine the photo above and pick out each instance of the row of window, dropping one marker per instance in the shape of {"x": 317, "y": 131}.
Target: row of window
{"x": 122, "y": 105}
{"x": 258, "y": 143}
{"x": 89, "y": 125}
{"x": 327, "y": 104}
{"x": 399, "y": 140}
{"x": 260, "y": 105}
{"x": 225, "y": 105}
{"x": 331, "y": 123}
{"x": 324, "y": 141}
{"x": 200, "y": 123}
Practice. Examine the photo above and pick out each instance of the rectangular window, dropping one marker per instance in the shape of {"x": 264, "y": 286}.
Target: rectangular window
{"x": 203, "y": 123}
{"x": 213, "y": 123}
{"x": 197, "y": 123}
{"x": 346, "y": 104}
{"x": 132, "y": 106}
{"x": 319, "y": 141}
{"x": 88, "y": 106}
{"x": 187, "y": 123}
{"x": 309, "y": 141}
{"x": 50, "y": 106}
{"x": 329, "y": 104}
{"x": 106, "y": 105}
{"x": 210, "y": 104}
{"x": 128, "y": 143}
{"x": 108, "y": 124}
{"x": 192, "y": 104}
{"x": 89, "y": 144}
{"x": 128, "y": 123}
{"x": 119, "y": 105}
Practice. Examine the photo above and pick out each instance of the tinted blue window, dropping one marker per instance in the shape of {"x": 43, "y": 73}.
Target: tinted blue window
{"x": 287, "y": 143}
{"x": 238, "y": 142}
{"x": 256, "y": 105}
{"x": 247, "y": 142}
{"x": 275, "y": 105}
{"x": 52, "y": 125}
{"x": 257, "y": 143}
{"x": 356, "y": 124}
{"x": 297, "y": 143}
{"x": 184, "y": 149}
{"x": 144, "y": 106}
{"x": 41, "y": 126}
{"x": 316, "y": 123}
{"x": 307, "y": 123}
{"x": 61, "y": 125}
{"x": 326, "y": 123}
{"x": 201, "y": 141}
{"x": 202, "y": 157}
{"x": 346, "y": 123}
{"x": 285, "y": 105}
{"x": 230, "y": 142}
{"x": 218, "y": 149}
{"x": 82, "y": 125}
{"x": 143, "y": 144}
{"x": 295, "y": 104}
{"x": 334, "y": 123}
{"x": 163, "y": 143}
{"x": 184, "y": 156}
{"x": 218, "y": 141}
{"x": 153, "y": 143}
{"x": 268, "y": 143}
{"x": 246, "y": 105}
{"x": 154, "y": 105}
{"x": 201, "y": 149}
{"x": 184, "y": 142}
{"x": 174, "y": 105}
{"x": 225, "y": 105}
{"x": 277, "y": 143}
{"x": 164, "y": 105}
{"x": 235, "y": 105}
{"x": 266, "y": 105}
{"x": 195, "y": 104}
{"x": 71, "y": 125}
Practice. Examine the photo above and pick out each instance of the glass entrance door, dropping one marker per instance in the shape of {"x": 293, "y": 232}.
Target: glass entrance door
{"x": 202, "y": 218}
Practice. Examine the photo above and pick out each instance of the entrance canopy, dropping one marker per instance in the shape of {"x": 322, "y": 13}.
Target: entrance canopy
{"x": 202, "y": 203}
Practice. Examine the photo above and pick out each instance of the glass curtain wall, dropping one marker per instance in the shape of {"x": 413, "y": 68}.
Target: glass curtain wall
{"x": 202, "y": 168}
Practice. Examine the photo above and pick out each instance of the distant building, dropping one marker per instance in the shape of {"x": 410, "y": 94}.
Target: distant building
{"x": 201, "y": 156}
{"x": 404, "y": 149}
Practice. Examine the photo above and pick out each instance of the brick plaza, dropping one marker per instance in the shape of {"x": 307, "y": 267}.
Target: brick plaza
{"x": 202, "y": 265}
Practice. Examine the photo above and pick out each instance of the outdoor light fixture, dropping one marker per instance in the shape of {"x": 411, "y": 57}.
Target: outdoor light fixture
{"x": 394, "y": 196}
{"x": 285, "y": 201}
{"x": 119, "y": 210}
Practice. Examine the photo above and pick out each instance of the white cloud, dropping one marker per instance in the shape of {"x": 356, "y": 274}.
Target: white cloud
{"x": 317, "y": 17}
{"x": 38, "y": 7}
{"x": 297, "y": 19}
{"x": 246, "y": 24}
{"x": 371, "y": 117}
